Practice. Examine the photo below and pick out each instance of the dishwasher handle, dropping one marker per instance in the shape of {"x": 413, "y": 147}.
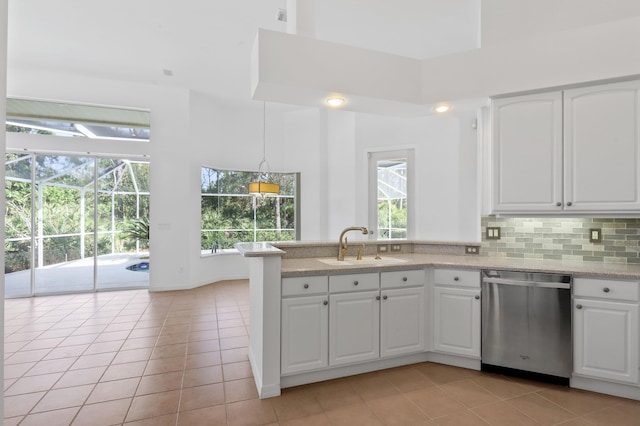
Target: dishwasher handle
{"x": 540, "y": 284}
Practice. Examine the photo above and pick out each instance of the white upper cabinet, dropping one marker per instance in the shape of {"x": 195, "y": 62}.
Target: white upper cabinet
{"x": 602, "y": 147}
{"x": 527, "y": 153}
{"x": 576, "y": 151}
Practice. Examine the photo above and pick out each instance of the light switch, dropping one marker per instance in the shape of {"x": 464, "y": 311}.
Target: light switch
{"x": 595, "y": 235}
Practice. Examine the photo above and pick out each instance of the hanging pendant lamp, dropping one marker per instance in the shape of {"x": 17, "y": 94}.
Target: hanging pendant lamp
{"x": 262, "y": 186}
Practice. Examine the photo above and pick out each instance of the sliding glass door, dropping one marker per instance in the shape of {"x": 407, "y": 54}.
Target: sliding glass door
{"x": 61, "y": 237}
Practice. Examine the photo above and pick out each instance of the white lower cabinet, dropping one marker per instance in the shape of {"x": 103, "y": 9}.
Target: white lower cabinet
{"x": 605, "y": 338}
{"x": 304, "y": 337}
{"x": 354, "y": 327}
{"x": 402, "y": 321}
{"x": 456, "y": 328}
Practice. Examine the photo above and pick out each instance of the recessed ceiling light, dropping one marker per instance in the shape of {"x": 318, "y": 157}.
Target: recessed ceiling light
{"x": 167, "y": 72}
{"x": 336, "y": 102}
{"x": 440, "y": 109}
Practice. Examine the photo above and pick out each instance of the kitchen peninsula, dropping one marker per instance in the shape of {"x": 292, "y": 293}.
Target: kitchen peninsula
{"x": 316, "y": 318}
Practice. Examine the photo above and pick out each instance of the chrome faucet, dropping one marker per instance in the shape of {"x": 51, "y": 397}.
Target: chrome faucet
{"x": 342, "y": 248}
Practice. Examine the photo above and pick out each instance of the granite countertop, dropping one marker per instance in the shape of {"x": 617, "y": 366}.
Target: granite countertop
{"x": 316, "y": 266}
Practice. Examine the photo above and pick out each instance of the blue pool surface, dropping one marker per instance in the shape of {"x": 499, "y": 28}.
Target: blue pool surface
{"x": 142, "y": 266}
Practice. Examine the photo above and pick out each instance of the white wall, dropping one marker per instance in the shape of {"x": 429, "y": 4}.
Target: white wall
{"x": 445, "y": 169}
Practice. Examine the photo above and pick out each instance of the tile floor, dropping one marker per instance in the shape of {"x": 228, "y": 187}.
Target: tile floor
{"x": 180, "y": 358}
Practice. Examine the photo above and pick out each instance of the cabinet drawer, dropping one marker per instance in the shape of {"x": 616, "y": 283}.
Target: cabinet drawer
{"x": 300, "y": 286}
{"x": 354, "y": 282}
{"x": 456, "y": 277}
{"x": 398, "y": 279}
{"x": 605, "y": 289}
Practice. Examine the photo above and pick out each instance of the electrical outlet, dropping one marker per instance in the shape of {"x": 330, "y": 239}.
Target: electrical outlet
{"x": 493, "y": 233}
{"x": 383, "y": 248}
{"x": 396, "y": 247}
{"x": 472, "y": 250}
{"x": 595, "y": 235}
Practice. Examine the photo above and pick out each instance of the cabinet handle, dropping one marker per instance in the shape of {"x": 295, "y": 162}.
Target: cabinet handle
{"x": 569, "y": 203}
{"x": 377, "y": 297}
{"x": 558, "y": 204}
{"x": 325, "y": 303}
{"x": 477, "y": 297}
{"x": 355, "y": 283}
{"x": 606, "y": 290}
{"x": 404, "y": 279}
{"x": 306, "y": 286}
{"x": 456, "y": 279}
{"x": 384, "y": 297}
{"x": 579, "y": 306}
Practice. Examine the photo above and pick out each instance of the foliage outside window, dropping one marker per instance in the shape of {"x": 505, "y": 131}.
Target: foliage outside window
{"x": 230, "y": 215}
{"x": 61, "y": 220}
{"x": 392, "y": 198}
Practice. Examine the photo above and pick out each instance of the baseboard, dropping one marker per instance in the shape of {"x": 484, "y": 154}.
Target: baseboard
{"x": 455, "y": 360}
{"x": 263, "y": 391}
{"x": 610, "y": 388}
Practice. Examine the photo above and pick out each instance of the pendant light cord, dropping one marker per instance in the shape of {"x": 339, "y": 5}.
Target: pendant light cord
{"x": 264, "y": 131}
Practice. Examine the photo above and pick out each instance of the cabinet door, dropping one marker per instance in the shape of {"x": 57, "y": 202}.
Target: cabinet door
{"x": 305, "y": 340}
{"x": 354, "y": 327}
{"x": 457, "y": 321}
{"x": 402, "y": 326}
{"x": 605, "y": 338}
{"x": 602, "y": 147}
{"x": 527, "y": 153}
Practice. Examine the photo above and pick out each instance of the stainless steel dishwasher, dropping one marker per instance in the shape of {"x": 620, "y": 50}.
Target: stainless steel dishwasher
{"x": 526, "y": 324}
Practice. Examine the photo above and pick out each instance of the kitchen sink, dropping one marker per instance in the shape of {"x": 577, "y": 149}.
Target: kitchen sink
{"x": 364, "y": 262}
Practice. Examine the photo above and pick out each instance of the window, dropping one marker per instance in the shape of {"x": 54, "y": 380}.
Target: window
{"x": 390, "y": 183}
{"x": 78, "y": 121}
{"x": 230, "y": 215}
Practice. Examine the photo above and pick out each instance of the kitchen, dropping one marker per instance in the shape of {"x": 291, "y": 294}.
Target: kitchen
{"x": 448, "y": 198}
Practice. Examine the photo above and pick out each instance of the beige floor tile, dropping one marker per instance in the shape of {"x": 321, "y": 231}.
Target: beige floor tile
{"x": 503, "y": 414}
{"x": 21, "y": 404}
{"x": 103, "y": 413}
{"x": 132, "y": 355}
{"x": 204, "y": 325}
{"x": 80, "y": 377}
{"x": 578, "y": 401}
{"x": 210, "y": 416}
{"x": 203, "y": 346}
{"x": 124, "y": 371}
{"x": 408, "y": 379}
{"x": 15, "y": 371}
{"x": 33, "y": 384}
{"x": 624, "y": 414}
{"x": 66, "y": 352}
{"x": 237, "y": 370}
{"x": 138, "y": 343}
{"x": 115, "y": 389}
{"x": 355, "y": 414}
{"x": 469, "y": 393}
{"x": 51, "y": 366}
{"x": 397, "y": 410}
{"x": 540, "y": 409}
{"x": 63, "y": 398}
{"x": 96, "y": 360}
{"x": 164, "y": 420}
{"x": 203, "y": 376}
{"x": 225, "y": 333}
{"x": 240, "y": 390}
{"x": 234, "y": 342}
{"x": 13, "y": 421}
{"x": 153, "y": 405}
{"x": 251, "y": 412}
{"x": 195, "y": 336}
{"x": 442, "y": 374}
{"x": 335, "y": 394}
{"x": 171, "y": 339}
{"x": 461, "y": 418}
{"x": 160, "y": 383}
{"x": 102, "y": 347}
{"x": 164, "y": 365}
{"x": 201, "y": 397}
{"x": 434, "y": 402}
{"x": 500, "y": 386}
{"x": 51, "y": 418}
{"x": 26, "y": 356}
{"x": 373, "y": 386}
{"x": 313, "y": 420}
{"x": 295, "y": 403}
{"x": 203, "y": 359}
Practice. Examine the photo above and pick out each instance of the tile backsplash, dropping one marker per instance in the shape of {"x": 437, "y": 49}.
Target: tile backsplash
{"x": 563, "y": 239}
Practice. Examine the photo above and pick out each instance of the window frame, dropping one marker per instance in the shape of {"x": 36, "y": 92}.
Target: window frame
{"x": 373, "y": 158}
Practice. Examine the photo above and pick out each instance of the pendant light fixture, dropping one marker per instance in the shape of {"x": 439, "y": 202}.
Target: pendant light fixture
{"x": 262, "y": 186}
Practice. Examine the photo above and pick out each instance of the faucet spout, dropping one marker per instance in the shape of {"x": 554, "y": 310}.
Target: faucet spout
{"x": 343, "y": 246}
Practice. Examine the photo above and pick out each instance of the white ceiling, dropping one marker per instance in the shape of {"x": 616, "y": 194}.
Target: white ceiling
{"x": 206, "y": 44}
